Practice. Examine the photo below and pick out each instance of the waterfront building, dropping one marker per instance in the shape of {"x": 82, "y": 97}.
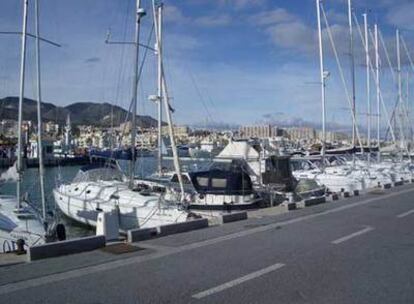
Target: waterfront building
{"x": 259, "y": 131}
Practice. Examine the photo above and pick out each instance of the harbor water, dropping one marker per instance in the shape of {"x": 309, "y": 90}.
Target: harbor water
{"x": 54, "y": 175}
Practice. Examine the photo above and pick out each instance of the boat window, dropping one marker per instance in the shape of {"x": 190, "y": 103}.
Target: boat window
{"x": 219, "y": 183}
{"x": 202, "y": 181}
{"x": 174, "y": 179}
{"x": 88, "y": 191}
{"x": 186, "y": 180}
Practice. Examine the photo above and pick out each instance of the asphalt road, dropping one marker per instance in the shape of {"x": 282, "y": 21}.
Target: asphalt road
{"x": 359, "y": 250}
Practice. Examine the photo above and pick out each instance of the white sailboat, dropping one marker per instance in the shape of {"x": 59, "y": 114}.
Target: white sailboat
{"x": 105, "y": 188}
{"x": 19, "y": 220}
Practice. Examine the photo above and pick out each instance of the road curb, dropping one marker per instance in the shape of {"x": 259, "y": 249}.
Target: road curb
{"x": 141, "y": 234}
{"x": 182, "y": 227}
{"x": 50, "y": 250}
{"x": 233, "y": 217}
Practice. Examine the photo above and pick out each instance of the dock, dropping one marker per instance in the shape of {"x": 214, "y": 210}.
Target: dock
{"x": 357, "y": 249}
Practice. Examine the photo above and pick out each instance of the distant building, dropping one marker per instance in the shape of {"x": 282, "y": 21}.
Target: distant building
{"x": 51, "y": 128}
{"x": 259, "y": 131}
{"x": 301, "y": 133}
{"x": 181, "y": 132}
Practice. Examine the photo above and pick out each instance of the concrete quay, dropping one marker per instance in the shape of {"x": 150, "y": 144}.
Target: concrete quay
{"x": 354, "y": 250}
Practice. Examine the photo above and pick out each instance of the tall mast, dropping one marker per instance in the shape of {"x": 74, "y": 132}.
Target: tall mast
{"x": 368, "y": 85}
{"x": 39, "y": 114}
{"x": 351, "y": 46}
{"x": 21, "y": 96}
{"x": 160, "y": 84}
{"x": 140, "y": 12}
{"x": 377, "y": 76}
{"x": 399, "y": 83}
{"x": 322, "y": 78}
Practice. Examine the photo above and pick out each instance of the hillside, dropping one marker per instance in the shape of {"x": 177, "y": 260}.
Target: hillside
{"x": 87, "y": 113}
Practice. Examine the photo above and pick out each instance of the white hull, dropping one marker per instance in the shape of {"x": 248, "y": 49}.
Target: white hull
{"x": 13, "y": 228}
{"x": 84, "y": 200}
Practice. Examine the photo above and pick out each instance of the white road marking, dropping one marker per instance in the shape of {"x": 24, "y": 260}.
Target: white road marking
{"x": 238, "y": 281}
{"x": 405, "y": 213}
{"x": 352, "y": 235}
{"x": 75, "y": 273}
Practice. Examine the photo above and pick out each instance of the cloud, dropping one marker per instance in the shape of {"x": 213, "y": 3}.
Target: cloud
{"x": 292, "y": 35}
{"x": 173, "y": 14}
{"x": 277, "y": 15}
{"x": 92, "y": 60}
{"x": 402, "y": 16}
{"x": 242, "y": 4}
{"x": 213, "y": 21}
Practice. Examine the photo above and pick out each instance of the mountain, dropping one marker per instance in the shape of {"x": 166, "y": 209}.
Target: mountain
{"x": 81, "y": 113}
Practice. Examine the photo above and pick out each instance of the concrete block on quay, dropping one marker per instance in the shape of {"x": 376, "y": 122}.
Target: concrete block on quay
{"x": 56, "y": 249}
{"x": 346, "y": 194}
{"x": 233, "y": 217}
{"x": 398, "y": 183}
{"x": 314, "y": 201}
{"x": 386, "y": 186}
{"x": 335, "y": 196}
{"x": 289, "y": 206}
{"x": 182, "y": 227}
{"x": 356, "y": 192}
{"x": 141, "y": 234}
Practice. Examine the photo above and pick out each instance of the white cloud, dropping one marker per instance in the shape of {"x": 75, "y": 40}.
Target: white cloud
{"x": 213, "y": 21}
{"x": 277, "y": 15}
{"x": 174, "y": 15}
{"x": 292, "y": 35}
{"x": 402, "y": 16}
{"x": 242, "y": 4}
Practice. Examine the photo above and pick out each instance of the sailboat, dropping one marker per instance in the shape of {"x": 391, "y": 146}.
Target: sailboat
{"x": 20, "y": 221}
{"x": 103, "y": 186}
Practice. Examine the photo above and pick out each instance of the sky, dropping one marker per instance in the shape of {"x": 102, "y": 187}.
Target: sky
{"x": 235, "y": 62}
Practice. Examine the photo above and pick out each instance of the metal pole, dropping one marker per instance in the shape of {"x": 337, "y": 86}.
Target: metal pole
{"x": 139, "y": 13}
{"x": 39, "y": 114}
{"x": 172, "y": 136}
{"x": 368, "y": 86}
{"x": 160, "y": 84}
{"x": 399, "y": 81}
{"x": 322, "y": 78}
{"x": 351, "y": 46}
{"x": 21, "y": 97}
{"x": 377, "y": 76}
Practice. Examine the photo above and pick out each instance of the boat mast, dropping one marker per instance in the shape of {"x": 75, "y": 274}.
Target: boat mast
{"x": 39, "y": 115}
{"x": 377, "y": 76}
{"x": 322, "y": 78}
{"x": 21, "y": 96}
{"x": 140, "y": 12}
{"x": 172, "y": 136}
{"x": 158, "y": 21}
{"x": 351, "y": 46}
{"x": 397, "y": 33}
{"x": 367, "y": 60}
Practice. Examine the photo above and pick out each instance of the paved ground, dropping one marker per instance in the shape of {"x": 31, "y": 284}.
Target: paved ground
{"x": 359, "y": 250}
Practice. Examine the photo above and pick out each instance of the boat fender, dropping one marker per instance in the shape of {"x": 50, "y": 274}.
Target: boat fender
{"x": 20, "y": 246}
{"x": 61, "y": 232}
{"x": 193, "y": 216}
